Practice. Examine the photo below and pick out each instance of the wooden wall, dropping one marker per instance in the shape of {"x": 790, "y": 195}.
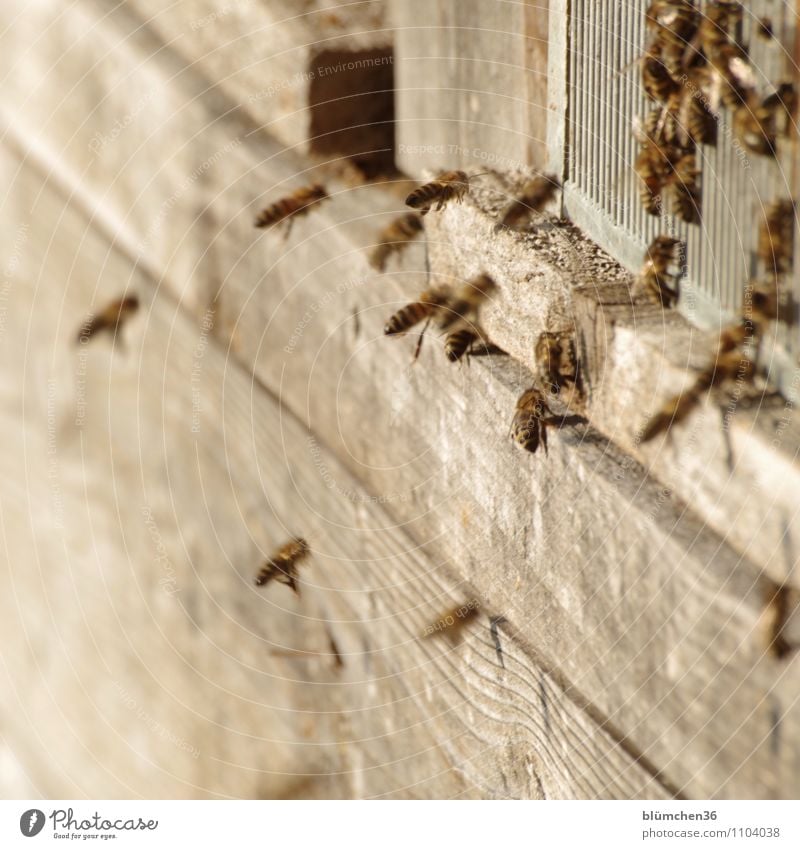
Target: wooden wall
{"x": 620, "y": 649}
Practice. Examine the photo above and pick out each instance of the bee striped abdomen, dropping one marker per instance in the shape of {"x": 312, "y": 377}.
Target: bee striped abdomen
{"x": 297, "y": 203}
{"x": 458, "y": 342}
{"x": 450, "y": 185}
{"x": 405, "y": 318}
{"x": 282, "y": 567}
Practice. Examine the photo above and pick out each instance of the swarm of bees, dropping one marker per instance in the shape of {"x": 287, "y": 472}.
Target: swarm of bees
{"x": 111, "y": 318}
{"x": 453, "y": 309}
{"x": 655, "y": 281}
{"x": 284, "y": 211}
{"x": 692, "y": 66}
{"x": 282, "y": 566}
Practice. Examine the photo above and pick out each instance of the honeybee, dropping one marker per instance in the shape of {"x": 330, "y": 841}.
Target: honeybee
{"x": 731, "y": 362}
{"x": 657, "y": 81}
{"x": 776, "y": 237}
{"x": 696, "y": 123}
{"x": 111, "y": 318}
{"x": 530, "y": 422}
{"x": 783, "y": 101}
{"x": 430, "y": 302}
{"x": 654, "y": 168}
{"x": 755, "y": 124}
{"x": 675, "y": 23}
{"x": 466, "y": 301}
{"x": 282, "y": 567}
{"x": 394, "y": 238}
{"x": 458, "y": 342}
{"x": 451, "y": 623}
{"x": 763, "y": 304}
{"x": 684, "y": 188}
{"x": 288, "y": 208}
{"x": 780, "y": 602}
{"x": 655, "y": 279}
{"x": 449, "y": 185}
{"x": 556, "y": 360}
{"x": 536, "y": 194}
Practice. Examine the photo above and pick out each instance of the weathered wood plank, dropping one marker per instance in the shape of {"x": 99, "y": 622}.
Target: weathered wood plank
{"x": 471, "y": 83}
{"x": 149, "y": 506}
{"x": 698, "y": 617}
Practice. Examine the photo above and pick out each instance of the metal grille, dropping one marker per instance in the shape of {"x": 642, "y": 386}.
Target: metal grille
{"x": 605, "y": 40}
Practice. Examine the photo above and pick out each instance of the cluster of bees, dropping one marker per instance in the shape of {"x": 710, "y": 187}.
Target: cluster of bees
{"x": 693, "y": 67}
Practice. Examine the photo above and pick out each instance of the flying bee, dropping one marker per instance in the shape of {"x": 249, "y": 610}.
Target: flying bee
{"x": 556, "y": 360}
{"x": 655, "y": 279}
{"x": 288, "y": 208}
{"x": 684, "y": 189}
{"x": 780, "y": 602}
{"x": 776, "y": 237}
{"x": 654, "y": 168}
{"x": 536, "y": 194}
{"x": 449, "y": 185}
{"x": 730, "y": 362}
{"x": 531, "y": 420}
{"x": 451, "y": 623}
{"x": 466, "y": 301}
{"x": 394, "y": 238}
{"x": 282, "y": 567}
{"x": 430, "y": 302}
{"x": 111, "y": 318}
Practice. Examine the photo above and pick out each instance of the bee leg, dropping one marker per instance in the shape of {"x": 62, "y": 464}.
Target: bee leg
{"x": 494, "y": 623}
{"x": 419, "y": 343}
{"x": 726, "y": 436}
{"x": 288, "y": 228}
{"x": 543, "y": 435}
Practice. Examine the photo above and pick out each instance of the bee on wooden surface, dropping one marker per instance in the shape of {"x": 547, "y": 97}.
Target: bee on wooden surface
{"x": 110, "y": 318}
{"x": 684, "y": 189}
{"x": 394, "y": 238}
{"x": 654, "y": 168}
{"x": 755, "y": 124}
{"x": 449, "y": 185}
{"x": 534, "y": 197}
{"x": 556, "y": 360}
{"x": 776, "y": 237}
{"x": 285, "y": 210}
{"x": 780, "y": 602}
{"x": 531, "y": 420}
{"x": 466, "y": 300}
{"x": 451, "y": 623}
{"x": 655, "y": 278}
{"x": 282, "y": 567}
